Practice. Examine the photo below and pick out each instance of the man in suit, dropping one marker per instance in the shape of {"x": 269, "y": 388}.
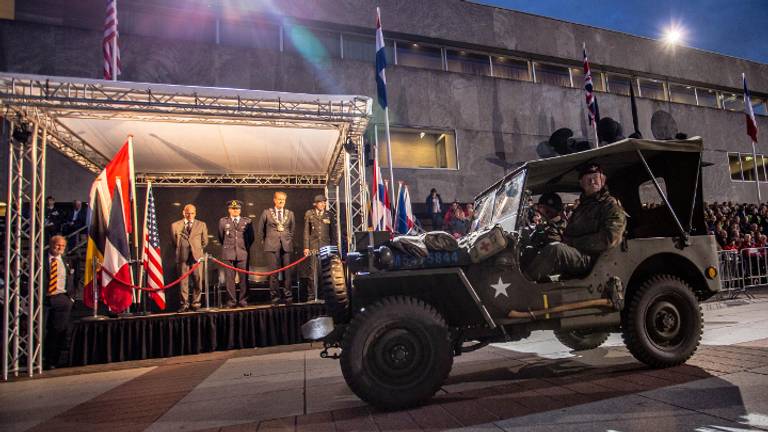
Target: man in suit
{"x": 318, "y": 229}
{"x": 236, "y": 237}
{"x": 76, "y": 219}
{"x": 57, "y": 305}
{"x": 275, "y": 230}
{"x": 189, "y": 236}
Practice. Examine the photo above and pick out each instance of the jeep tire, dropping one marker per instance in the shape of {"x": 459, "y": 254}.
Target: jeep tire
{"x": 581, "y": 340}
{"x": 662, "y": 324}
{"x": 333, "y": 284}
{"x": 396, "y": 353}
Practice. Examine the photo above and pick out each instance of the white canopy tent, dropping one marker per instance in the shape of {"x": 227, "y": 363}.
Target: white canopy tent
{"x": 182, "y": 136}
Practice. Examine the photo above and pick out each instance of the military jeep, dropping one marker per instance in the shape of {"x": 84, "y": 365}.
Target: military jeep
{"x": 399, "y": 317}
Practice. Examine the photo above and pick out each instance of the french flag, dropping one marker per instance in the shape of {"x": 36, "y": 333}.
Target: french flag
{"x": 749, "y": 112}
{"x": 117, "y": 277}
{"x": 381, "y": 63}
{"x": 404, "y": 218}
{"x": 381, "y": 212}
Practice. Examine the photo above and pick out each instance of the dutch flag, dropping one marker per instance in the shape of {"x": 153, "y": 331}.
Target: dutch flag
{"x": 749, "y": 112}
{"x": 381, "y": 63}
{"x": 404, "y": 219}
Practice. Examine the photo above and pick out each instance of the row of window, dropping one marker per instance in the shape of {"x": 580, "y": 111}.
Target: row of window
{"x": 317, "y": 45}
{"x": 742, "y": 166}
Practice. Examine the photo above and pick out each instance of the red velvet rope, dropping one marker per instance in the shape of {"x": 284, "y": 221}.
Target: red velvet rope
{"x": 225, "y": 265}
{"x": 196, "y": 265}
{"x": 162, "y": 288}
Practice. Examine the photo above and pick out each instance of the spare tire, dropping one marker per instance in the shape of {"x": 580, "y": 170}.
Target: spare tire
{"x": 333, "y": 284}
{"x": 581, "y": 340}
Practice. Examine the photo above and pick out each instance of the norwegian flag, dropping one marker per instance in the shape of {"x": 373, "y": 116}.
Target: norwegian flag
{"x": 109, "y": 43}
{"x": 594, "y": 111}
{"x": 151, "y": 256}
{"x": 749, "y": 112}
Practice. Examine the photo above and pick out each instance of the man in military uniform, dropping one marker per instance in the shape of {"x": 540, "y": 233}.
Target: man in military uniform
{"x": 548, "y": 231}
{"x": 236, "y": 237}
{"x": 275, "y": 230}
{"x": 318, "y": 227}
{"x": 595, "y": 226}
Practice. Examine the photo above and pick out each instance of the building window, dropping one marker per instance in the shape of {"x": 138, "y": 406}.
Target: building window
{"x": 742, "y": 167}
{"x": 758, "y": 105}
{"x": 418, "y": 148}
{"x": 707, "y": 98}
{"x": 363, "y": 48}
{"x": 618, "y": 84}
{"x": 578, "y": 79}
{"x": 511, "y": 68}
{"x": 420, "y": 56}
{"x": 682, "y": 94}
{"x": 252, "y": 34}
{"x": 551, "y": 74}
{"x": 652, "y": 89}
{"x": 312, "y": 43}
{"x": 464, "y": 62}
{"x": 732, "y": 101}
{"x": 734, "y": 164}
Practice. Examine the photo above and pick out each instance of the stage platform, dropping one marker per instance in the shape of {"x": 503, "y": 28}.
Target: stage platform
{"x": 174, "y": 334}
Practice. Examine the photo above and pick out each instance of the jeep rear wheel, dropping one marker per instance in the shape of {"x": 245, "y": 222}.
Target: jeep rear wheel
{"x": 662, "y": 325}
{"x": 580, "y": 340}
{"x": 396, "y": 353}
{"x": 333, "y": 284}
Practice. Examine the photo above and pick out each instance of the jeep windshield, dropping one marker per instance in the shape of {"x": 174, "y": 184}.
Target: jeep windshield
{"x": 500, "y": 205}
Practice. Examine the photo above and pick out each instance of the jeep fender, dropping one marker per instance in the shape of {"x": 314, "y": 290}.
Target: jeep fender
{"x": 446, "y": 289}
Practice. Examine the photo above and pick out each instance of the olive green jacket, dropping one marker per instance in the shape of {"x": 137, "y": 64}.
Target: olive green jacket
{"x": 597, "y": 224}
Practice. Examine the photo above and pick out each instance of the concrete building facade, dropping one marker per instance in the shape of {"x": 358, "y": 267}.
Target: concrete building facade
{"x": 472, "y": 89}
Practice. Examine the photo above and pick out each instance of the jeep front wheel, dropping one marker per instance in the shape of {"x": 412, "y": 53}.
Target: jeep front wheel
{"x": 333, "y": 284}
{"x": 396, "y": 353}
{"x": 662, "y": 324}
{"x": 581, "y": 340}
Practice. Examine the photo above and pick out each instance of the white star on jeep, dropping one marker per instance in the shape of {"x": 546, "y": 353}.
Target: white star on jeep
{"x": 500, "y": 287}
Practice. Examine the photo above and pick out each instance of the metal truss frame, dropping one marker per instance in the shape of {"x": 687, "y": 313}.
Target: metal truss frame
{"x": 22, "y": 300}
{"x": 44, "y": 101}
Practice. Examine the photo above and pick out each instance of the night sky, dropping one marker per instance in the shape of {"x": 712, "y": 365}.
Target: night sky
{"x": 737, "y": 28}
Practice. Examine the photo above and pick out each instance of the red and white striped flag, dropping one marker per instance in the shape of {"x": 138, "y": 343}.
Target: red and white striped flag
{"x": 749, "y": 112}
{"x": 109, "y": 43}
{"x": 151, "y": 258}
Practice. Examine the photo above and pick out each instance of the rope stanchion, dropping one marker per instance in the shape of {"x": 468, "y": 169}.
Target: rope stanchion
{"x": 269, "y": 273}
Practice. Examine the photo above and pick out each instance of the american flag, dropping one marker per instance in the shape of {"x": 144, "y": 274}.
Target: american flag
{"x": 109, "y": 43}
{"x": 594, "y": 112}
{"x": 151, "y": 257}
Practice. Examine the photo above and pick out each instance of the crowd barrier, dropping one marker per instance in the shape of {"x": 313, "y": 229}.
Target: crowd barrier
{"x": 742, "y": 270}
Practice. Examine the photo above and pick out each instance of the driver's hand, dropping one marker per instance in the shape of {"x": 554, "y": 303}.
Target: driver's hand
{"x": 306, "y": 252}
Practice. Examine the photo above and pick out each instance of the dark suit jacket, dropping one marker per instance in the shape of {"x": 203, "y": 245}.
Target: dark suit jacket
{"x": 236, "y": 239}
{"x": 68, "y": 282}
{"x": 193, "y": 244}
{"x": 273, "y": 239}
{"x": 79, "y": 221}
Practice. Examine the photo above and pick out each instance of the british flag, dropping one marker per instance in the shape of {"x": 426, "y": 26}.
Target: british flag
{"x": 594, "y": 111}
{"x": 151, "y": 257}
{"x": 109, "y": 43}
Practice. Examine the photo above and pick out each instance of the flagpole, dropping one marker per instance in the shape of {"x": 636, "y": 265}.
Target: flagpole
{"x": 754, "y": 167}
{"x": 114, "y": 47}
{"x": 142, "y": 294}
{"x": 389, "y": 150}
{"x": 132, "y": 174}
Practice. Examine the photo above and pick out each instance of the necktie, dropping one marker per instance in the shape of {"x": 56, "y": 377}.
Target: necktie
{"x": 280, "y": 214}
{"x": 237, "y": 220}
{"x": 53, "y": 284}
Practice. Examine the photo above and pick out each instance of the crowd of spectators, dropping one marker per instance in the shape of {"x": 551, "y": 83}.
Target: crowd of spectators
{"x": 738, "y": 226}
